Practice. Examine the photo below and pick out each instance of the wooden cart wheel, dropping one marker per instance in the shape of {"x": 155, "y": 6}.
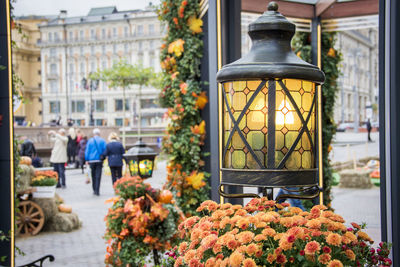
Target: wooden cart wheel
{"x": 30, "y": 218}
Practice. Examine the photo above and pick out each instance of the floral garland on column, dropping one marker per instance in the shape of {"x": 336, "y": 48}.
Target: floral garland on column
{"x": 181, "y": 54}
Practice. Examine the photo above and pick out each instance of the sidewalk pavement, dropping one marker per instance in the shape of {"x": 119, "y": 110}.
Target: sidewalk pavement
{"x": 86, "y": 248}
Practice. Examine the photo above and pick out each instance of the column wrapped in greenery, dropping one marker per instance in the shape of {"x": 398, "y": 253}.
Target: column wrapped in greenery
{"x": 181, "y": 54}
{"x": 330, "y": 65}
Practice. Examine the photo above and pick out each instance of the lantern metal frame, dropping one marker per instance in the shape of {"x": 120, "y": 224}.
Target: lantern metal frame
{"x": 270, "y": 61}
{"x": 140, "y": 151}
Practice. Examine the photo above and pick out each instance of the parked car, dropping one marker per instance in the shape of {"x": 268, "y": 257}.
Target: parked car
{"x": 342, "y": 127}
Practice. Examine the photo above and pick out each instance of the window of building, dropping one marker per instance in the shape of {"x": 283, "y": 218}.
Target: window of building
{"x": 71, "y": 85}
{"x": 118, "y": 122}
{"x": 52, "y": 52}
{"x": 53, "y": 86}
{"x": 92, "y": 34}
{"x": 56, "y": 38}
{"x": 126, "y": 48}
{"x": 148, "y": 103}
{"x": 54, "y": 107}
{"x": 103, "y": 65}
{"x": 82, "y": 68}
{"x": 92, "y": 67}
{"x": 103, "y": 49}
{"x": 126, "y": 31}
{"x": 50, "y": 36}
{"x": 92, "y": 50}
{"x": 81, "y": 50}
{"x": 114, "y": 48}
{"x": 140, "y": 30}
{"x": 71, "y": 36}
{"x": 140, "y": 58}
{"x": 53, "y": 69}
{"x": 71, "y": 68}
{"x": 118, "y": 104}
{"x": 151, "y": 44}
{"x": 152, "y": 61}
{"x": 78, "y": 106}
{"x": 71, "y": 51}
{"x": 81, "y": 35}
{"x": 114, "y": 30}
{"x": 100, "y": 122}
{"x": 103, "y": 33}
{"x": 100, "y": 105}
{"x": 140, "y": 45}
{"x": 151, "y": 29}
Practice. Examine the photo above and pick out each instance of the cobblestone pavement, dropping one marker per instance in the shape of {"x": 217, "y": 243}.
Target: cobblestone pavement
{"x": 85, "y": 247}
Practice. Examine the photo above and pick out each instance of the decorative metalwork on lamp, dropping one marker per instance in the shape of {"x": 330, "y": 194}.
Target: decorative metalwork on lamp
{"x": 141, "y": 160}
{"x": 269, "y": 113}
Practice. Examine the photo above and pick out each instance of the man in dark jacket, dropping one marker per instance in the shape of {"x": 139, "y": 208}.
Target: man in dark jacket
{"x": 114, "y": 153}
{"x": 27, "y": 148}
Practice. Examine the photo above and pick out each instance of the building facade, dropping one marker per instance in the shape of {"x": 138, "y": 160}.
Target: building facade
{"x": 357, "y": 98}
{"x": 26, "y": 65}
{"x": 74, "y": 47}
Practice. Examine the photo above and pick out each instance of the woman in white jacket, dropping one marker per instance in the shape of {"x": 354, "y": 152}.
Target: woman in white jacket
{"x": 59, "y": 154}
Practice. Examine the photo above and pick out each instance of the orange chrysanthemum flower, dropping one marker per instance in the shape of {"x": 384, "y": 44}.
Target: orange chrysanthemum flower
{"x": 312, "y": 247}
{"x": 324, "y": 258}
{"x": 209, "y": 241}
{"x": 182, "y": 247}
{"x": 260, "y": 237}
{"x": 335, "y": 263}
{"x": 269, "y": 232}
{"x": 334, "y": 239}
{"x": 350, "y": 254}
{"x": 189, "y": 255}
{"x": 249, "y": 263}
{"x": 245, "y": 237}
{"x": 364, "y": 236}
{"x": 314, "y": 224}
{"x": 236, "y": 259}
{"x": 251, "y": 249}
{"x": 271, "y": 258}
{"x": 210, "y": 262}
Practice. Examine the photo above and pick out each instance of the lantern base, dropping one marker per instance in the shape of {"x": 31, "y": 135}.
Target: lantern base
{"x": 269, "y": 178}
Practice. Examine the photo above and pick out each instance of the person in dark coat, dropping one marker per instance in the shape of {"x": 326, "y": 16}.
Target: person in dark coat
{"x": 28, "y": 148}
{"x": 71, "y": 146}
{"x": 81, "y": 152}
{"x": 114, "y": 153}
{"x": 369, "y": 128}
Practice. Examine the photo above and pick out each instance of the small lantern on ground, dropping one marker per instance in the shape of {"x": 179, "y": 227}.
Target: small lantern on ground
{"x": 269, "y": 112}
{"x": 141, "y": 160}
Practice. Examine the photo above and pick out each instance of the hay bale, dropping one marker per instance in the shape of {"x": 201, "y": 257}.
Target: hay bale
{"x": 355, "y": 179}
{"x": 63, "y": 222}
{"x": 49, "y": 207}
{"x": 24, "y": 179}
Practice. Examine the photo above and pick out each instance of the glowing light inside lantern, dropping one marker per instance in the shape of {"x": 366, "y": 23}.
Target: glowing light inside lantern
{"x": 284, "y": 115}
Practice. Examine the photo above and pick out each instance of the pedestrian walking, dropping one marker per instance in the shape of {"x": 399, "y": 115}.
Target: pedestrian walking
{"x": 369, "y": 128}
{"x": 95, "y": 148}
{"x": 81, "y": 152}
{"x": 79, "y": 136}
{"x": 27, "y": 148}
{"x": 294, "y": 202}
{"x": 59, "y": 154}
{"x": 72, "y": 144}
{"x": 114, "y": 153}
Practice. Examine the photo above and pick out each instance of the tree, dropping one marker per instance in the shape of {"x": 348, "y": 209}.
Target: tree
{"x": 123, "y": 75}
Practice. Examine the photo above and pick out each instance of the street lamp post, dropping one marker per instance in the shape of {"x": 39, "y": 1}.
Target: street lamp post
{"x": 269, "y": 114}
{"x": 93, "y": 85}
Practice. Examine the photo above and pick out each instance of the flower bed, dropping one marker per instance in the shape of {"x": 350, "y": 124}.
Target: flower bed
{"x": 264, "y": 233}
{"x": 45, "y": 178}
{"x": 141, "y": 220}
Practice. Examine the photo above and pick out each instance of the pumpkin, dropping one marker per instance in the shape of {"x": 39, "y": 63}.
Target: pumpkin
{"x": 165, "y": 196}
{"x": 25, "y": 160}
{"x": 65, "y": 208}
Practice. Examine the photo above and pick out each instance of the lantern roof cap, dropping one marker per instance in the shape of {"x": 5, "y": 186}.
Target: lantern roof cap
{"x": 271, "y": 55}
{"x": 140, "y": 149}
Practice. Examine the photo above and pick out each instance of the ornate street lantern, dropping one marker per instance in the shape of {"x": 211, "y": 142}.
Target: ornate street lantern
{"x": 141, "y": 160}
{"x": 269, "y": 113}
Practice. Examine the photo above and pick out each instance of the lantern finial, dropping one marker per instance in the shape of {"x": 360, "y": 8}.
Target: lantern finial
{"x": 272, "y": 6}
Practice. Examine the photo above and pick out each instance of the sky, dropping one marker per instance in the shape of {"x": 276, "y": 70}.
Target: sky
{"x": 73, "y": 7}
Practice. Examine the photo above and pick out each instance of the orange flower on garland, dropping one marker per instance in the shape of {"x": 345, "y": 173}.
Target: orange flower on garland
{"x": 195, "y": 24}
{"x": 196, "y": 180}
{"x": 176, "y": 47}
{"x": 202, "y": 100}
{"x": 199, "y": 129}
{"x": 183, "y": 87}
{"x": 331, "y": 52}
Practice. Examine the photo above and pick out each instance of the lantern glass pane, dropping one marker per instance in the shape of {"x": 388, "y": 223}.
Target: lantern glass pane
{"x": 133, "y": 167}
{"x": 146, "y": 167}
{"x": 291, "y": 112}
